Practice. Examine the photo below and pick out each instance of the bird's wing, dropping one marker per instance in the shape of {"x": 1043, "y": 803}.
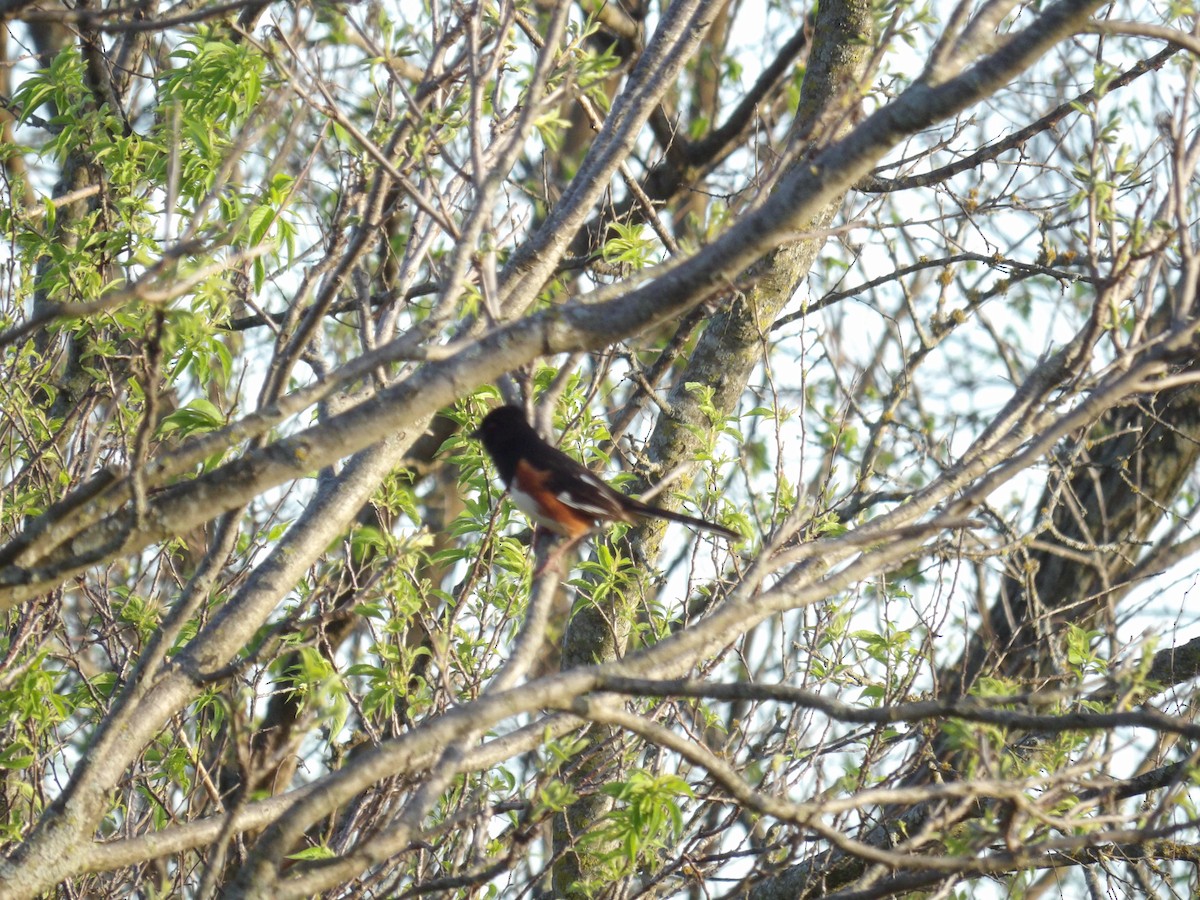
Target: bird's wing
{"x": 579, "y": 489}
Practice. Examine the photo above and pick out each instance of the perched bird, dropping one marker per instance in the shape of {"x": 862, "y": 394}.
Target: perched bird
{"x": 557, "y": 492}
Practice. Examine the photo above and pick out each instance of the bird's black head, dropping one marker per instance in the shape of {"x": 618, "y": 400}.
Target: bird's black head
{"x": 500, "y": 423}
{"x": 504, "y": 431}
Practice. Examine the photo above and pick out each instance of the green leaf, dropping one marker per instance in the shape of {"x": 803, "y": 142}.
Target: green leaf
{"x": 318, "y": 852}
{"x": 199, "y": 416}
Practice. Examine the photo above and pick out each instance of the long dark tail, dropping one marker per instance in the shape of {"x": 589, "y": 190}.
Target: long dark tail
{"x": 644, "y": 509}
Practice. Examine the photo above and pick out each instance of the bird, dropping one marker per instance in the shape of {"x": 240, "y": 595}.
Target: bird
{"x": 556, "y": 491}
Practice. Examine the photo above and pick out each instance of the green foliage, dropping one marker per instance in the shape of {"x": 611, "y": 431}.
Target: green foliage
{"x": 605, "y": 578}
{"x": 648, "y": 818}
{"x": 629, "y": 246}
{"x": 197, "y": 417}
{"x": 140, "y": 612}
{"x": 556, "y": 753}
{"x": 898, "y": 653}
{"x": 1103, "y": 176}
{"x": 61, "y": 85}
{"x": 835, "y": 434}
{"x": 555, "y": 797}
{"x": 313, "y": 853}
{"x": 193, "y": 348}
{"x": 214, "y": 89}
{"x": 317, "y": 685}
{"x": 593, "y": 68}
{"x": 551, "y": 127}
{"x": 36, "y": 698}
{"x": 1080, "y": 652}
{"x": 391, "y": 679}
